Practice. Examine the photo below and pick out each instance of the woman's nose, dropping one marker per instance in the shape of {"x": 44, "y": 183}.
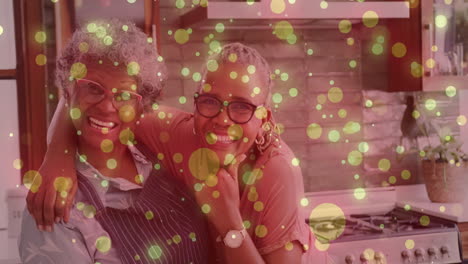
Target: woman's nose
{"x": 106, "y": 105}
{"x": 222, "y": 119}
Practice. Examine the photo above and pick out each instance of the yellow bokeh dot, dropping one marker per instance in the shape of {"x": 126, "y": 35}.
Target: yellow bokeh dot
{"x": 215, "y": 46}
{"x": 430, "y": 63}
{"x": 149, "y": 215}
{"x": 321, "y": 246}
{"x": 154, "y": 251}
{"x": 363, "y": 147}
{"x": 215, "y": 194}
{"x": 430, "y": 104}
{"x": 258, "y": 206}
{"x": 233, "y": 75}
{"x": 127, "y": 113}
{"x": 377, "y": 49}
{"x": 441, "y": 21}
{"x": 78, "y": 70}
{"x": 126, "y": 137}
{"x": 351, "y": 127}
{"x": 83, "y": 47}
{"x": 461, "y": 120}
{"x": 359, "y": 193}
{"x": 424, "y": 220}
{"x": 304, "y": 202}
{"x": 355, "y": 158}
{"x": 139, "y": 178}
{"x": 62, "y": 184}
{"x": 321, "y": 99}
{"x": 334, "y": 136}
{"x": 324, "y": 4}
{"x": 178, "y": 158}
{"x": 160, "y": 156}
{"x": 18, "y": 164}
{"x": 295, "y": 162}
{"x": 107, "y": 40}
{"x": 32, "y": 180}
{"x": 345, "y": 26}
{"x": 111, "y": 164}
{"x": 392, "y": 179}
{"x": 350, "y": 41}
{"x": 384, "y": 165}
{"x": 314, "y": 131}
{"x": 212, "y": 65}
{"x": 133, "y": 68}
{"x": 1, "y": 30}
{"x": 442, "y": 208}
{"x": 330, "y": 211}
{"x": 405, "y": 174}
{"x": 40, "y": 37}
{"x": 283, "y": 29}
{"x": 335, "y": 95}
{"x": 177, "y": 239}
{"x": 451, "y": 91}
{"x": 211, "y": 180}
{"x": 409, "y": 243}
{"x": 370, "y": 19}
{"x": 416, "y": 69}
{"x": 251, "y": 69}
{"x": 181, "y": 36}
{"x": 206, "y": 208}
{"x": 399, "y": 50}
{"x": 235, "y": 132}
{"x": 342, "y": 113}
{"x": 416, "y": 114}
{"x": 75, "y": 113}
{"x": 228, "y": 159}
{"x": 261, "y": 231}
{"x": 206, "y": 87}
{"x": 219, "y": 27}
{"x": 232, "y": 57}
{"x": 211, "y": 138}
{"x": 289, "y": 246}
{"x": 277, "y": 6}
{"x": 107, "y": 145}
{"x": 103, "y": 244}
{"x": 41, "y": 59}
{"x": 89, "y": 211}
{"x": 203, "y": 162}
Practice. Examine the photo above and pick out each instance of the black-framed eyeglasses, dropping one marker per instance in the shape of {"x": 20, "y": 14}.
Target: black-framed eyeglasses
{"x": 92, "y": 93}
{"x": 239, "y": 112}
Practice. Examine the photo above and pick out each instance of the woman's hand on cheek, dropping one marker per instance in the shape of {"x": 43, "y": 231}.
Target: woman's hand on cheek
{"x": 221, "y": 202}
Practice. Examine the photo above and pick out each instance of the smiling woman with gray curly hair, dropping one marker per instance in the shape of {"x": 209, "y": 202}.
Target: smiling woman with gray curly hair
{"x": 122, "y": 43}
{"x": 126, "y": 205}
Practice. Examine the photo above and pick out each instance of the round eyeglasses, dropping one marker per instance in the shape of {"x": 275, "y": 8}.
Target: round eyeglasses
{"x": 92, "y": 93}
{"x": 209, "y": 106}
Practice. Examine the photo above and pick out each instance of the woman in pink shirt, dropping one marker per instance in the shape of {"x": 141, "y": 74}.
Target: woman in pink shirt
{"x": 246, "y": 180}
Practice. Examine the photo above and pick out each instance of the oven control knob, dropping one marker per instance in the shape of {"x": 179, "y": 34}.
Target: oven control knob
{"x": 418, "y": 253}
{"x": 349, "y": 259}
{"x": 431, "y": 251}
{"x": 444, "y": 250}
{"x": 405, "y": 254}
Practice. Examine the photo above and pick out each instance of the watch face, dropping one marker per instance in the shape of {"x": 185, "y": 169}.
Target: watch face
{"x": 233, "y": 239}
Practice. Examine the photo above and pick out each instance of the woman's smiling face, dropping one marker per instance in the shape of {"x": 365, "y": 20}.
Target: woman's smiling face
{"x": 100, "y": 119}
{"x": 232, "y": 82}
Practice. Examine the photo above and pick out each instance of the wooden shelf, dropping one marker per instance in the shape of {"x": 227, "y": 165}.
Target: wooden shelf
{"x": 8, "y": 74}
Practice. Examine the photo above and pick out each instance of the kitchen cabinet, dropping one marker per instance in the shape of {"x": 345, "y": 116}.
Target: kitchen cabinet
{"x": 436, "y": 47}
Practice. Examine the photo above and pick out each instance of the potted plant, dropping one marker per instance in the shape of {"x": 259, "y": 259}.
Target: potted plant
{"x": 445, "y": 165}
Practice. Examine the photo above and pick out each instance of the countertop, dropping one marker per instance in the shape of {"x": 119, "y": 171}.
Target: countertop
{"x": 416, "y": 197}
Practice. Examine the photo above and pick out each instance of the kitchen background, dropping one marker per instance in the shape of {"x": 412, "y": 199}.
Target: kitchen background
{"x": 342, "y": 94}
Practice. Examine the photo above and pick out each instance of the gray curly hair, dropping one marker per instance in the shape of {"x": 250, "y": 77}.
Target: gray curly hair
{"x": 116, "y": 41}
{"x": 244, "y": 55}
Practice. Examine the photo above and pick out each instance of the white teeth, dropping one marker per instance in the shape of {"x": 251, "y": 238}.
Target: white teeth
{"x": 100, "y": 124}
{"x": 224, "y": 139}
